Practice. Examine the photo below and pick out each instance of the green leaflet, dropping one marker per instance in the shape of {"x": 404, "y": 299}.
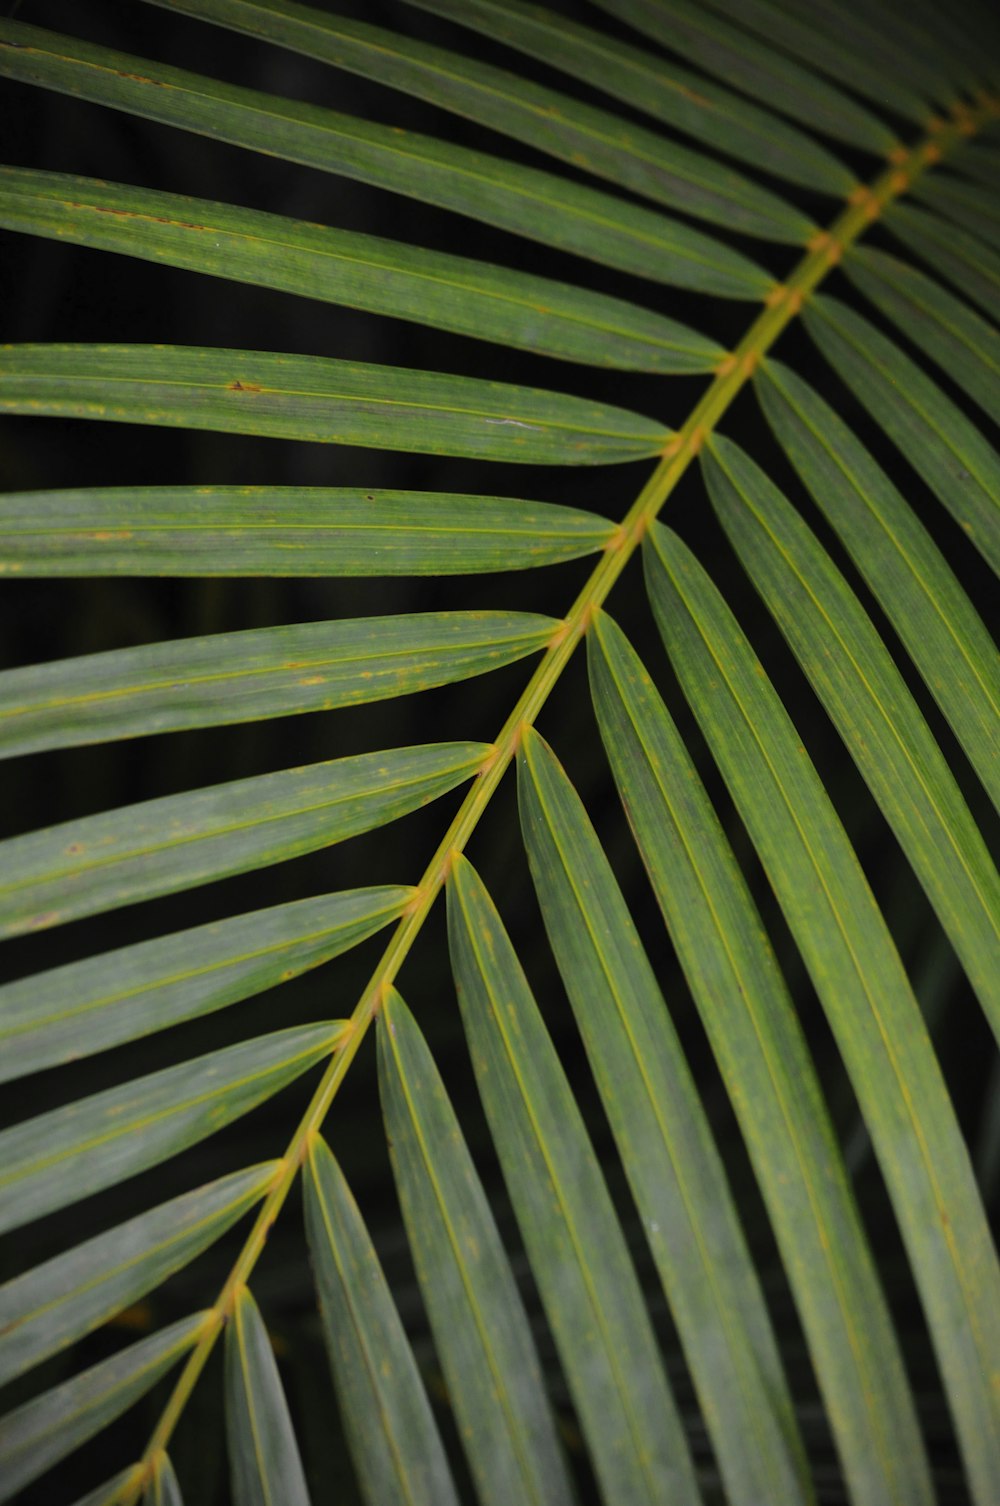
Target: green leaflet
{"x": 264, "y": 1461}
{"x": 362, "y": 271}
{"x": 556, "y": 124}
{"x": 868, "y": 701}
{"x": 481, "y": 1330}
{"x": 55, "y": 1159}
{"x": 904, "y": 568}
{"x": 980, "y": 162}
{"x": 45, "y": 1430}
{"x": 861, "y": 983}
{"x": 540, "y": 205}
{"x": 163, "y": 1489}
{"x": 277, "y": 531}
{"x": 758, "y": 70}
{"x": 54, "y": 1304}
{"x": 570, "y": 1229}
{"x": 390, "y": 1428}
{"x": 965, "y": 260}
{"x": 664, "y": 1141}
{"x": 656, "y": 86}
{"x": 140, "y": 851}
{"x": 110, "y": 1492}
{"x": 940, "y": 443}
{"x": 837, "y": 40}
{"x": 970, "y": 205}
{"x": 946, "y": 329}
{"x": 72, "y": 1011}
{"x": 314, "y": 398}
{"x": 250, "y": 676}
{"x": 747, "y": 1011}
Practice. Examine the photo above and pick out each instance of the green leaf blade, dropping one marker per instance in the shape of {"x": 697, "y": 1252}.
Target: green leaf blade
{"x": 775, "y": 79}
{"x": 160, "y": 846}
{"x": 853, "y": 673}
{"x": 664, "y": 1141}
{"x": 163, "y": 1489}
{"x": 45, "y": 1430}
{"x": 539, "y": 205}
{"x": 837, "y": 41}
{"x": 758, "y": 1042}
{"x": 112, "y": 1490}
{"x": 362, "y": 271}
{"x": 700, "y": 108}
{"x": 968, "y": 264}
{"x": 480, "y": 1326}
{"x": 321, "y": 400}
{"x": 575, "y": 1245}
{"x": 253, "y": 675}
{"x": 264, "y": 1460}
{"x": 908, "y": 574}
{"x": 70, "y": 1012}
{"x": 556, "y": 124}
{"x": 945, "y": 328}
{"x": 860, "y": 980}
{"x": 54, "y": 1304}
{"x": 57, "y": 1158}
{"x": 948, "y": 451}
{"x": 285, "y": 531}
{"x": 970, "y": 205}
{"x": 390, "y": 1428}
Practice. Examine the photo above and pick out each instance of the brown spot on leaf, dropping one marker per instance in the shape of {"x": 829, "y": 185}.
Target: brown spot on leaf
{"x": 244, "y": 387}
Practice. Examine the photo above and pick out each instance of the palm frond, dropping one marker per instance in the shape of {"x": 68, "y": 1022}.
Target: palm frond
{"x": 652, "y": 1258}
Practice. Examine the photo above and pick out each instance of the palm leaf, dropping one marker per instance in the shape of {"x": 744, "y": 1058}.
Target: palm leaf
{"x": 451, "y": 292}
{"x": 262, "y": 1443}
{"x": 269, "y": 530}
{"x": 479, "y": 1321}
{"x": 393, "y": 1437}
{"x": 651, "y": 1257}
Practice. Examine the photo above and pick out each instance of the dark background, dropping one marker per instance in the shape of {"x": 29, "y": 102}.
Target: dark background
{"x": 53, "y": 291}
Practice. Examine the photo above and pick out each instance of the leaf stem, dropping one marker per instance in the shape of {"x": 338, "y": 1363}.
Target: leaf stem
{"x": 782, "y": 305}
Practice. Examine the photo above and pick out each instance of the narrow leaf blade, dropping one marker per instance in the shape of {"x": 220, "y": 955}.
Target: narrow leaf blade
{"x": 55, "y": 1159}
{"x": 45, "y": 1430}
{"x": 557, "y": 124}
{"x": 390, "y": 1428}
{"x": 141, "y": 851}
{"x": 480, "y": 1326}
{"x": 946, "y": 329}
{"x": 279, "y": 531}
{"x": 908, "y": 574}
{"x": 322, "y": 400}
{"x": 263, "y": 1455}
{"x": 946, "y": 450}
{"x": 757, "y": 69}
{"x": 573, "y": 1238}
{"x": 73, "y": 1011}
{"x": 523, "y": 200}
{"x": 112, "y": 1490}
{"x": 54, "y": 1304}
{"x": 253, "y": 675}
{"x": 969, "y": 265}
{"x": 970, "y": 205}
{"x": 660, "y": 88}
{"x": 163, "y": 1489}
{"x": 362, "y": 271}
